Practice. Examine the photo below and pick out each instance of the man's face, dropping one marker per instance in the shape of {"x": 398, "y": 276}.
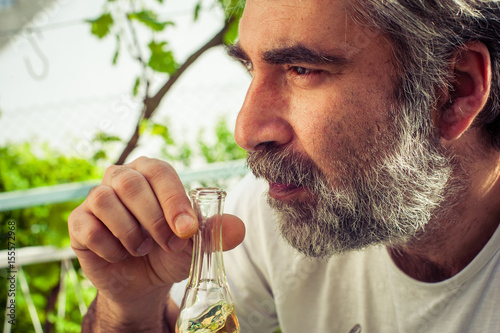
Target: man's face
{"x": 320, "y": 124}
{"x": 321, "y": 85}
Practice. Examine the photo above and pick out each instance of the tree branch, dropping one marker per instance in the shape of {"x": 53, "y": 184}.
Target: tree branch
{"x": 152, "y": 103}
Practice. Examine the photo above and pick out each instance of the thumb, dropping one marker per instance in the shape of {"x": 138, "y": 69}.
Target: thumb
{"x": 233, "y": 231}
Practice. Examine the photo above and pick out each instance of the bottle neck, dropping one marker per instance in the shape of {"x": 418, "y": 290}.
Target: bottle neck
{"x": 207, "y": 264}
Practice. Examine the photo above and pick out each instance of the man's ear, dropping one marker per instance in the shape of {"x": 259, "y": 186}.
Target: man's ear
{"x": 470, "y": 89}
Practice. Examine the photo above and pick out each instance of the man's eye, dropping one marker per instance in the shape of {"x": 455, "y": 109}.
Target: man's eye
{"x": 248, "y": 65}
{"x": 302, "y": 71}
{"x": 305, "y": 77}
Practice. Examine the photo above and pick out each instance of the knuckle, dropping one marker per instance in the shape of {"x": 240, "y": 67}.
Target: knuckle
{"x": 142, "y": 159}
{"x": 127, "y": 182}
{"x": 112, "y": 170}
{"x": 74, "y": 224}
{"x": 170, "y": 202}
{"x": 101, "y": 197}
{"x": 73, "y": 216}
{"x": 118, "y": 170}
{"x": 128, "y": 235}
{"x": 158, "y": 225}
{"x": 92, "y": 190}
{"x": 95, "y": 237}
{"x": 156, "y": 169}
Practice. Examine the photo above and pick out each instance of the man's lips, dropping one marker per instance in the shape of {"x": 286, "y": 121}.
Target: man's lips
{"x": 283, "y": 191}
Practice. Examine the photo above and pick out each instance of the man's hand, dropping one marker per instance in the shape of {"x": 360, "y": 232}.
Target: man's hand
{"x": 131, "y": 236}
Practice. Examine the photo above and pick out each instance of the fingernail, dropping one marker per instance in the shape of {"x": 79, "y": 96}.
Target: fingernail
{"x": 177, "y": 244}
{"x": 184, "y": 224}
{"x": 145, "y": 247}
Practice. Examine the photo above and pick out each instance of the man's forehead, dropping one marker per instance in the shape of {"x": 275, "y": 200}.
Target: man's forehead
{"x": 306, "y": 7}
{"x": 320, "y": 25}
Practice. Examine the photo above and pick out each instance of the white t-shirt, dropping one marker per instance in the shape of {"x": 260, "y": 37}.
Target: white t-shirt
{"x": 361, "y": 291}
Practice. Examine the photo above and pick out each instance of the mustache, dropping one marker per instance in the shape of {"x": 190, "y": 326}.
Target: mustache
{"x": 283, "y": 166}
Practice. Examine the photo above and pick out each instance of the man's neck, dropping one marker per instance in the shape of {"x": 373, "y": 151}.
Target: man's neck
{"x": 438, "y": 262}
{"x": 443, "y": 251}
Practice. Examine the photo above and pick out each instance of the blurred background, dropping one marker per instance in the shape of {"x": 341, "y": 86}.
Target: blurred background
{"x": 58, "y": 83}
{"x": 89, "y": 83}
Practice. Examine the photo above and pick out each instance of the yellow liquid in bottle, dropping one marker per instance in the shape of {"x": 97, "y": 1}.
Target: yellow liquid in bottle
{"x": 220, "y": 318}
{"x": 231, "y": 325}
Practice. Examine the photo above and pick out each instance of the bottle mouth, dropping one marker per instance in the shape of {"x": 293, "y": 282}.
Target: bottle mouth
{"x": 201, "y": 193}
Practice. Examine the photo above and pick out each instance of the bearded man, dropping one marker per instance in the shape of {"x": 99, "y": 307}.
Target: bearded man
{"x": 374, "y": 127}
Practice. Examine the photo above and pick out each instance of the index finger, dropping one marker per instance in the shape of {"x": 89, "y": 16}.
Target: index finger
{"x": 171, "y": 195}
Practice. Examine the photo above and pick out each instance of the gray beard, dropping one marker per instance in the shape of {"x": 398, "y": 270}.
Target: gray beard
{"x": 390, "y": 202}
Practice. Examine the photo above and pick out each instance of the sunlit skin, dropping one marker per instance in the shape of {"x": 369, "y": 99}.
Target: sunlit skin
{"x": 316, "y": 108}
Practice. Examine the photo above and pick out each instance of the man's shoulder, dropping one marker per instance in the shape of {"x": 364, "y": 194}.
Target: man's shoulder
{"x": 246, "y": 196}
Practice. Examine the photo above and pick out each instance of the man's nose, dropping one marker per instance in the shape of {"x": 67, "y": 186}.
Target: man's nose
{"x": 262, "y": 118}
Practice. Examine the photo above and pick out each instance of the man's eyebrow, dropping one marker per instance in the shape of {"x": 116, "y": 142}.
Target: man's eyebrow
{"x": 236, "y": 52}
{"x": 301, "y": 54}
{"x": 290, "y": 55}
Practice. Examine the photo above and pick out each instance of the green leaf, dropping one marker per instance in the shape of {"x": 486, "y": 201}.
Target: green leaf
{"x": 143, "y": 126}
{"x": 117, "y": 50}
{"x": 115, "y": 56}
{"x": 149, "y": 19}
{"x": 137, "y": 83}
{"x": 161, "y": 60}
{"x": 224, "y": 149}
{"x": 231, "y": 34}
{"x": 104, "y": 137}
{"x": 162, "y": 130}
{"x": 99, "y": 155}
{"x": 101, "y": 26}
{"x": 232, "y": 8}
{"x": 159, "y": 129}
{"x": 197, "y": 9}
{"x": 184, "y": 154}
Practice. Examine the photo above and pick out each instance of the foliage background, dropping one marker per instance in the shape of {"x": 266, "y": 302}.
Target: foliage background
{"x": 28, "y": 165}
{"x": 32, "y": 164}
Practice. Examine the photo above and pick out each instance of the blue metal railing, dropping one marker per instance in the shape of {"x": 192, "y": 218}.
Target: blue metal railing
{"x": 68, "y": 192}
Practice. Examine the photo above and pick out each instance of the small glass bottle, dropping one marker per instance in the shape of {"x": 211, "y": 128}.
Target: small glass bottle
{"x": 207, "y": 305}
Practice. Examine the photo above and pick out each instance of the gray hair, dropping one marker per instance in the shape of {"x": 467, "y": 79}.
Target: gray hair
{"x": 425, "y": 34}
